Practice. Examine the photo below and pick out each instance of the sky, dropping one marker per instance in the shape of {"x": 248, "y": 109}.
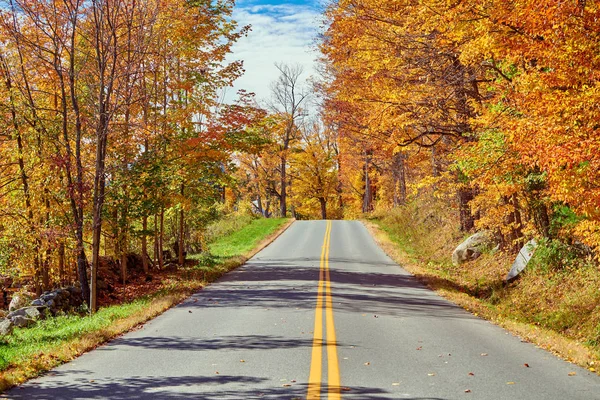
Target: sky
{"x": 283, "y": 31}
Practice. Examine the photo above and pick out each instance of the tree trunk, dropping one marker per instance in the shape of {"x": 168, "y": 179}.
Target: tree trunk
{"x": 61, "y": 263}
{"x": 367, "y": 205}
{"x": 259, "y": 207}
{"x": 399, "y": 174}
{"x": 124, "y": 244}
{"x": 465, "y": 195}
{"x": 161, "y": 261}
{"x": 283, "y": 197}
{"x": 181, "y": 255}
{"x": 323, "y": 203}
{"x": 145, "y": 244}
{"x": 155, "y": 240}
{"x": 82, "y": 265}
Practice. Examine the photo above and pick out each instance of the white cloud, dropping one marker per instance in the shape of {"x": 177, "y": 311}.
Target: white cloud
{"x": 282, "y": 33}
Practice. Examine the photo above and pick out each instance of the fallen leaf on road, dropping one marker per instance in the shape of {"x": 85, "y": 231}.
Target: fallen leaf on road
{"x": 346, "y": 389}
{"x": 420, "y": 348}
{"x": 431, "y": 374}
{"x": 484, "y": 354}
{"x": 242, "y": 361}
{"x": 92, "y": 381}
{"x": 216, "y": 372}
{"x": 467, "y": 390}
{"x": 396, "y": 384}
{"x": 375, "y": 316}
{"x": 286, "y": 385}
{"x": 190, "y": 311}
{"x": 471, "y": 374}
{"x": 510, "y": 383}
{"x": 572, "y": 373}
{"x": 367, "y": 363}
{"x": 526, "y": 365}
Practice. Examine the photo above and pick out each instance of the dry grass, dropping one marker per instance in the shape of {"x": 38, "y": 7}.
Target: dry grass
{"x": 174, "y": 293}
{"x": 556, "y": 310}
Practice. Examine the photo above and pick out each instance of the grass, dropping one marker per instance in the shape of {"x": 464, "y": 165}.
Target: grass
{"x": 246, "y": 238}
{"x": 28, "y": 352}
{"x": 555, "y": 308}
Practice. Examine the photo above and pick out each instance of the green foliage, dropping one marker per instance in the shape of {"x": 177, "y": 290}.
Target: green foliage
{"x": 555, "y": 255}
{"x": 51, "y": 333}
{"x": 563, "y": 218}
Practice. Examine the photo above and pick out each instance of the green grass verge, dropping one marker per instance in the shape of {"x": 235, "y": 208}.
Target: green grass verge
{"x": 28, "y": 352}
{"x": 245, "y": 239}
{"x": 49, "y": 334}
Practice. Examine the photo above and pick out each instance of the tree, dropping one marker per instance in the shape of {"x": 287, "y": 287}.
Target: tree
{"x": 288, "y": 98}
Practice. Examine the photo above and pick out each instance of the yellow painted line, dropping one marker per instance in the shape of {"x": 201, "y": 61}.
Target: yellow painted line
{"x": 333, "y": 367}
{"x": 324, "y": 298}
{"x": 314, "y": 377}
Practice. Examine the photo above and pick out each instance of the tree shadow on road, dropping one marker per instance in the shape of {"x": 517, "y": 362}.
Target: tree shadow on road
{"x": 221, "y": 387}
{"x": 275, "y": 284}
{"x": 236, "y": 342}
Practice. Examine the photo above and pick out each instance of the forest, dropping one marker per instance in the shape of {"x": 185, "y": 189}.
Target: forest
{"x": 115, "y": 142}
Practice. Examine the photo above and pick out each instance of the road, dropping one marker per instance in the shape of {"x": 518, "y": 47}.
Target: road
{"x": 320, "y": 313}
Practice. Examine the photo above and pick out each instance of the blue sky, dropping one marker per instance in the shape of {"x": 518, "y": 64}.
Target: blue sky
{"x": 282, "y": 31}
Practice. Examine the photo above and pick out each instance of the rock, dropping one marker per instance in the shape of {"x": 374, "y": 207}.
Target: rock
{"x": 18, "y": 301}
{"x": 36, "y": 313}
{"x": 38, "y": 302}
{"x": 6, "y": 327}
{"x": 48, "y": 296}
{"x": 522, "y": 260}
{"x": 471, "y": 248}
{"x": 21, "y": 321}
{"x": 32, "y": 312}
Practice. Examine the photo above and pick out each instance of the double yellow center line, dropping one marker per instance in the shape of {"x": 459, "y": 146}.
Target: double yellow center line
{"x": 324, "y": 304}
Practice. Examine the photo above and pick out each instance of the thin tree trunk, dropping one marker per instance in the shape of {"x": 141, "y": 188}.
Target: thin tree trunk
{"x": 399, "y": 173}
{"x": 283, "y": 196}
{"x": 181, "y": 231}
{"x": 367, "y": 196}
{"x": 465, "y": 195}
{"x": 124, "y": 244}
{"x": 161, "y": 261}
{"x": 61, "y": 263}
{"x": 145, "y": 244}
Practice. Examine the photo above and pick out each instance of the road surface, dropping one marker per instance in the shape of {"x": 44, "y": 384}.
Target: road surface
{"x": 321, "y": 313}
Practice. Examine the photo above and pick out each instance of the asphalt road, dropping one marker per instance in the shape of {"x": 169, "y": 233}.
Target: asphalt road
{"x": 321, "y": 313}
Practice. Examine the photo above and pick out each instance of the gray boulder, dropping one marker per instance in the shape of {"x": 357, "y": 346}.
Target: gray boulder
{"x": 32, "y": 312}
{"x": 18, "y": 301}
{"x": 471, "y": 248}
{"x": 37, "y": 302}
{"x": 522, "y": 260}
{"x": 21, "y": 321}
{"x": 35, "y": 313}
{"x": 48, "y": 296}
{"x": 6, "y": 327}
